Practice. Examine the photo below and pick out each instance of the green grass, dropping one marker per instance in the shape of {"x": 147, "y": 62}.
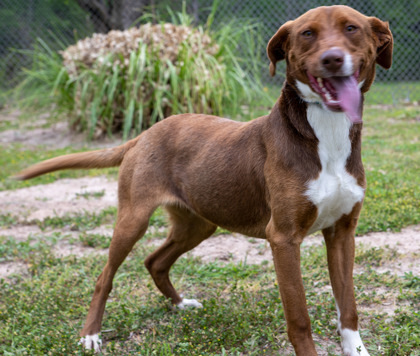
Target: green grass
{"x": 91, "y": 195}
{"x": 393, "y": 93}
{"x": 27, "y": 250}
{"x": 94, "y": 240}
{"x": 79, "y": 222}
{"x": 392, "y": 162}
{"x": 41, "y": 314}
{"x": 16, "y": 157}
{"x": 8, "y": 125}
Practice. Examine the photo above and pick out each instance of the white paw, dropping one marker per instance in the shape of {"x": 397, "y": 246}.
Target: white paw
{"x": 189, "y": 303}
{"x": 90, "y": 342}
{"x": 352, "y": 344}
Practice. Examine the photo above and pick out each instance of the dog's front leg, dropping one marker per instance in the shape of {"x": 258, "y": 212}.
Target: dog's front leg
{"x": 340, "y": 251}
{"x": 286, "y": 255}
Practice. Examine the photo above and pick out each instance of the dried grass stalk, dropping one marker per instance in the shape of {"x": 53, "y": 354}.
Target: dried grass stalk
{"x": 166, "y": 38}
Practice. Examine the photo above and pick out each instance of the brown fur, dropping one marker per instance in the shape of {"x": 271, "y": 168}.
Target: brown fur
{"x": 246, "y": 177}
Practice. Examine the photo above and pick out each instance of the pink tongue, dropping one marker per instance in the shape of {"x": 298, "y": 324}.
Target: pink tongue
{"x": 349, "y": 96}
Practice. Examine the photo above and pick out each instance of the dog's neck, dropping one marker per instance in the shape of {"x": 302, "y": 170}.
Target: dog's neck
{"x": 290, "y": 120}
{"x": 292, "y": 108}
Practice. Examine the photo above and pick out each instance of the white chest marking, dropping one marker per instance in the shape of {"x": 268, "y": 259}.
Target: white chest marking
{"x": 334, "y": 192}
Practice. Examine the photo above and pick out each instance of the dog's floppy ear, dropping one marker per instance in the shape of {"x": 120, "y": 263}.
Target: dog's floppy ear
{"x": 384, "y": 42}
{"x": 277, "y": 46}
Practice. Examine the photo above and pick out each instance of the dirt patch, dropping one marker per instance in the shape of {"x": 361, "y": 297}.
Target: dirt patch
{"x": 233, "y": 248}
{"x": 64, "y": 249}
{"x": 406, "y": 241}
{"x": 57, "y": 135}
{"x": 21, "y": 232}
{"x": 8, "y": 269}
{"x": 44, "y": 132}
{"x": 62, "y": 197}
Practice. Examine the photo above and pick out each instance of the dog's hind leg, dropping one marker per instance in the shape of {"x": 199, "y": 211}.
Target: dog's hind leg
{"x": 187, "y": 231}
{"x": 131, "y": 225}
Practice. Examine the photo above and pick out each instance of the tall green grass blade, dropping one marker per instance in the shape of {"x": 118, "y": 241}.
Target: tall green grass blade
{"x": 93, "y": 118}
{"x": 210, "y": 18}
{"x": 128, "y": 119}
{"x": 139, "y": 117}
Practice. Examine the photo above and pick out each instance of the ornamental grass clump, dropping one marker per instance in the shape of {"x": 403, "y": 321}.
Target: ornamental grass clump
{"x": 128, "y": 80}
{"x": 125, "y": 81}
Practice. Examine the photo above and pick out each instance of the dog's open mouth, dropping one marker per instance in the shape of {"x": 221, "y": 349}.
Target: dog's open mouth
{"x": 340, "y": 94}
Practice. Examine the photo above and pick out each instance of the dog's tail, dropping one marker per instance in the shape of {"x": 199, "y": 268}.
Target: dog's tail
{"x": 110, "y": 157}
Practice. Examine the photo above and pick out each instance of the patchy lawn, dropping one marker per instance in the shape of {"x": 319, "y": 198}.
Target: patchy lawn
{"x": 54, "y": 235}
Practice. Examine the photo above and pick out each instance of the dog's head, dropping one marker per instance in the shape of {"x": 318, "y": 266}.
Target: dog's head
{"x": 331, "y": 52}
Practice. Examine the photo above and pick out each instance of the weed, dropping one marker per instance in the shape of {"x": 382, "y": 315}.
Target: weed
{"x": 221, "y": 231}
{"x": 95, "y": 240}
{"x": 88, "y": 195}
{"x": 159, "y": 218}
{"x": 375, "y": 256}
{"x": 8, "y": 220}
{"x": 9, "y": 248}
{"x": 79, "y": 222}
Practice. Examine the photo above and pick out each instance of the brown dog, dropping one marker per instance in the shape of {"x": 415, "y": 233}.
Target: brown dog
{"x": 279, "y": 177}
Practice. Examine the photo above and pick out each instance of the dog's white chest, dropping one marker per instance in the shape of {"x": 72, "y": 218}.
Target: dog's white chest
{"x": 335, "y": 191}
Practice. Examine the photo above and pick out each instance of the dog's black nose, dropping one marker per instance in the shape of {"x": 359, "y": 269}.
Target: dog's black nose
{"x": 332, "y": 59}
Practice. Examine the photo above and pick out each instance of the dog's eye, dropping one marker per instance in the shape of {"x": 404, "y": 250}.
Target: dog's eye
{"x": 307, "y": 33}
{"x": 351, "y": 28}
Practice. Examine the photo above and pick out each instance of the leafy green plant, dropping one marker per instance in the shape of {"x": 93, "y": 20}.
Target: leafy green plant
{"x": 89, "y": 195}
{"x": 95, "y": 240}
{"x": 130, "y": 92}
{"x": 7, "y": 220}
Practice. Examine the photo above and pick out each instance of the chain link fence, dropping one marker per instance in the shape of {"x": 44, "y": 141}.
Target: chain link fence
{"x": 61, "y": 23}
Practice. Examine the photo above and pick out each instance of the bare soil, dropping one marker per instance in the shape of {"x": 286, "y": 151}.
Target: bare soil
{"x": 44, "y": 131}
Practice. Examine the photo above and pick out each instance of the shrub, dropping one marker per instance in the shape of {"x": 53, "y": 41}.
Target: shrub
{"x": 128, "y": 80}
